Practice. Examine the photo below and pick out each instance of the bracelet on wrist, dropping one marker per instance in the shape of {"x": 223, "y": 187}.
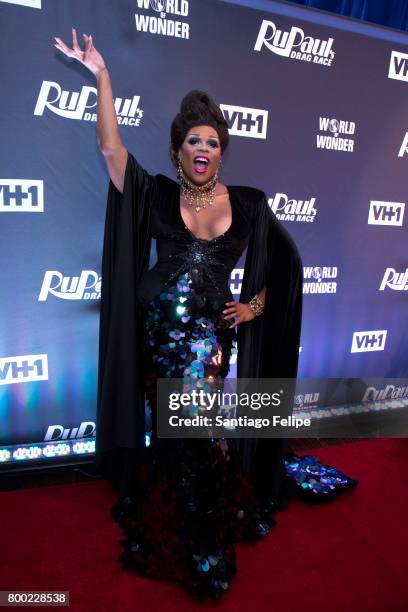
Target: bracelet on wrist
{"x": 256, "y": 305}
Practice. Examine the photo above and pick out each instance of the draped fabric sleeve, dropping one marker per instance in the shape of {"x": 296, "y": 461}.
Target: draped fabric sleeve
{"x": 268, "y": 346}
{"x": 120, "y": 398}
{"x": 283, "y": 304}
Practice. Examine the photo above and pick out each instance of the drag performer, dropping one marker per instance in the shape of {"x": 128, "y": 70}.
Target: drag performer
{"x": 184, "y": 502}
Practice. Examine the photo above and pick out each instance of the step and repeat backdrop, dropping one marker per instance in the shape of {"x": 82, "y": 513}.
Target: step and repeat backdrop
{"x": 317, "y": 108}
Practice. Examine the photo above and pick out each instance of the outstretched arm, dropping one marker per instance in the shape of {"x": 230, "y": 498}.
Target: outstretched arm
{"x": 109, "y": 140}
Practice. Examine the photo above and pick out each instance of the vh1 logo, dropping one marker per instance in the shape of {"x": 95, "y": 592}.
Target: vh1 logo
{"x": 398, "y": 66}
{"x": 386, "y": 213}
{"x": 23, "y": 368}
{"x": 21, "y": 195}
{"x": 365, "y": 341}
{"x": 243, "y": 121}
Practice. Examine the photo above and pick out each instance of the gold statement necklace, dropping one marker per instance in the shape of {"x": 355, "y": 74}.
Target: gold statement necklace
{"x": 198, "y": 196}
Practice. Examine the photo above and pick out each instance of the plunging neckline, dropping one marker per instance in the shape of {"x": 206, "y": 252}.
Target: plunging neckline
{"x": 207, "y": 239}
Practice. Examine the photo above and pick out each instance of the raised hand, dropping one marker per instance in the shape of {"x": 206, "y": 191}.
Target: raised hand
{"x": 90, "y": 57}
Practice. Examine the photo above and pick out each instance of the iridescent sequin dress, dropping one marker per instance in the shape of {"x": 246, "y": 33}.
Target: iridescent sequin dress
{"x": 193, "y": 502}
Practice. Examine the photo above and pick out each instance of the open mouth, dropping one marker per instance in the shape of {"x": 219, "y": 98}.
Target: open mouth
{"x": 201, "y": 163}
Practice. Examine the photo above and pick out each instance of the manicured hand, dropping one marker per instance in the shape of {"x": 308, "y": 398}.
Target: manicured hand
{"x": 90, "y": 57}
{"x": 241, "y": 312}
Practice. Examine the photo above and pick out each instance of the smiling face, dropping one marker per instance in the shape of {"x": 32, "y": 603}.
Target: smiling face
{"x": 200, "y": 154}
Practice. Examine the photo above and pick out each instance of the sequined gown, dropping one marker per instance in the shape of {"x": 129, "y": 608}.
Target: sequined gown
{"x": 193, "y": 502}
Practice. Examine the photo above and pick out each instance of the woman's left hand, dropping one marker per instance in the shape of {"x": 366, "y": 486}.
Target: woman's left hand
{"x": 241, "y": 312}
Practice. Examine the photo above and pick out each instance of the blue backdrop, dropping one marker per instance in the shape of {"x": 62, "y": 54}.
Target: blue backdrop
{"x": 392, "y": 13}
{"x": 317, "y": 109}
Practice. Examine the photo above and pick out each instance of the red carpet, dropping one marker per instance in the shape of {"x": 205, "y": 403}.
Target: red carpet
{"x": 350, "y": 554}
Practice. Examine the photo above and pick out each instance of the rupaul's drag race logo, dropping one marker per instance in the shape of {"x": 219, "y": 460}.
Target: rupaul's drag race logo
{"x": 78, "y": 104}
{"x": 338, "y": 138}
{"x": 87, "y": 286}
{"x": 323, "y": 279}
{"x": 389, "y": 392}
{"x": 86, "y": 429}
{"x": 157, "y": 21}
{"x": 394, "y": 280}
{"x": 287, "y": 209}
{"x": 294, "y": 44}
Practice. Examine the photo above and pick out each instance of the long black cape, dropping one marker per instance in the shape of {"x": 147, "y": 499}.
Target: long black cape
{"x": 268, "y": 346}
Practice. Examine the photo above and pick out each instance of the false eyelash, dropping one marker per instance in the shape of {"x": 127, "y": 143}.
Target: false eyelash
{"x": 212, "y": 143}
